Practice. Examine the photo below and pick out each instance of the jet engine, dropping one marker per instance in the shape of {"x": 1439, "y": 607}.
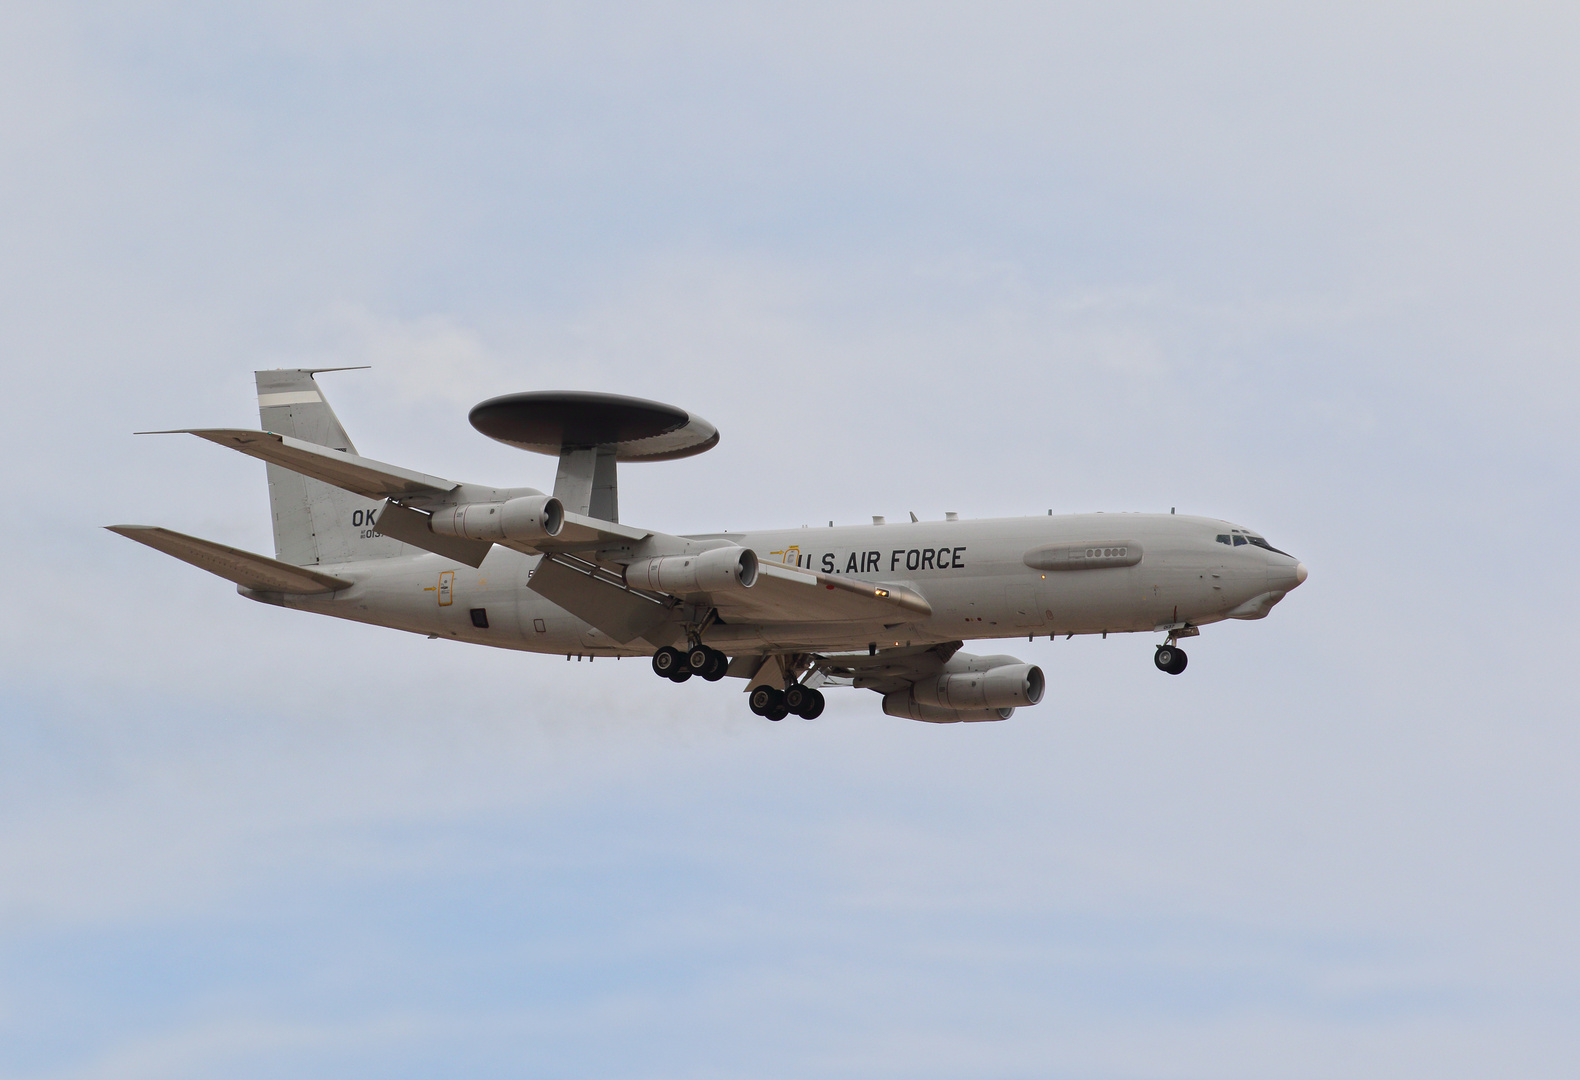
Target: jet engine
{"x": 969, "y": 688}
{"x": 529, "y": 517}
{"x": 1002, "y": 687}
{"x": 717, "y": 568}
{"x": 902, "y": 704}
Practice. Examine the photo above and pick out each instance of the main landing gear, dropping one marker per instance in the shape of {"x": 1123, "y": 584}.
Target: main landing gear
{"x": 677, "y": 666}
{"x": 775, "y": 704}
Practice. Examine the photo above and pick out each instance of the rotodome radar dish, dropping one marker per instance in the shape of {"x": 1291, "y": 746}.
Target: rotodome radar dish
{"x": 551, "y": 421}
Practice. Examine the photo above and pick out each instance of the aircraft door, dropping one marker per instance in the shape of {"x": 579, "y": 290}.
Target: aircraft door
{"x": 1024, "y": 604}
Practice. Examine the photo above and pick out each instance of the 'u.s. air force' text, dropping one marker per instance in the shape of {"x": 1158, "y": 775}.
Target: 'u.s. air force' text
{"x": 871, "y": 562}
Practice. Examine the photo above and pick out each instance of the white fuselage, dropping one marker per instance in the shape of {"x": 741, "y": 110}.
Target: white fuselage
{"x": 974, "y": 574}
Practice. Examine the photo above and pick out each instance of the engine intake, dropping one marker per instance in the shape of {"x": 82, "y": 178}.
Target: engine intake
{"x": 707, "y": 571}
{"x": 529, "y": 517}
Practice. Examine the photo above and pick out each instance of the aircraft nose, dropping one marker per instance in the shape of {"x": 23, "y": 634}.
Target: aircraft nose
{"x": 1300, "y": 573}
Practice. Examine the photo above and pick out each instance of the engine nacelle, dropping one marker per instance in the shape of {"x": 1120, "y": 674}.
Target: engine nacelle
{"x": 969, "y": 689}
{"x": 901, "y": 703}
{"x": 707, "y": 571}
{"x": 1004, "y": 687}
{"x": 529, "y": 517}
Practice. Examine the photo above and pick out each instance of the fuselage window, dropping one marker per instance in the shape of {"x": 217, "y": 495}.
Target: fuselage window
{"x": 1259, "y": 542}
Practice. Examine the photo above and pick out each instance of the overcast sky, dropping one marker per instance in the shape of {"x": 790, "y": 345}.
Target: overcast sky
{"x": 1314, "y": 271}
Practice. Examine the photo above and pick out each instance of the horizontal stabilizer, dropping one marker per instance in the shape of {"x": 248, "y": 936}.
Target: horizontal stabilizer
{"x": 364, "y": 476}
{"x": 257, "y": 572}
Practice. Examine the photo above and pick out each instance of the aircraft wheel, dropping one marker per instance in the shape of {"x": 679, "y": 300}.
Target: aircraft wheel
{"x": 812, "y": 706}
{"x": 766, "y": 701}
{"x": 667, "y": 661}
{"x": 698, "y": 659}
{"x": 681, "y": 674}
{"x": 796, "y": 698}
{"x": 1170, "y": 658}
{"x": 717, "y": 667}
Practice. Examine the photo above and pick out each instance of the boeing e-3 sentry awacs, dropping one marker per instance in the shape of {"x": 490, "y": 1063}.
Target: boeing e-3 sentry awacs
{"x": 883, "y": 607}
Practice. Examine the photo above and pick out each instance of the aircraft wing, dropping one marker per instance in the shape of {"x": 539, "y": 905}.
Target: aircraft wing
{"x": 364, "y": 476}
{"x": 581, "y": 532}
{"x": 889, "y": 669}
{"x": 243, "y": 567}
{"x": 379, "y": 480}
{"x": 793, "y": 594}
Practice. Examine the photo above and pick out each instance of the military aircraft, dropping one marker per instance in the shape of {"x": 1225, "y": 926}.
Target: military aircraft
{"x": 883, "y": 607}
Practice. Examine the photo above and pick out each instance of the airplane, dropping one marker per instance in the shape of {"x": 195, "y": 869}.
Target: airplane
{"x": 883, "y": 607}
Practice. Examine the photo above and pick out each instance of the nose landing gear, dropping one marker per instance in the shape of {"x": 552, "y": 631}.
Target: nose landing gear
{"x": 1170, "y": 658}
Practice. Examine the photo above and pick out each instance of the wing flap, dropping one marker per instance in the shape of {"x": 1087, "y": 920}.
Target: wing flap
{"x": 364, "y": 476}
{"x": 243, "y": 567}
{"x": 622, "y": 614}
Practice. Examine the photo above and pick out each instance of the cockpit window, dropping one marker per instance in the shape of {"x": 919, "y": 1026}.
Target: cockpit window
{"x": 1223, "y": 538}
{"x": 1259, "y": 542}
{"x": 1238, "y": 540}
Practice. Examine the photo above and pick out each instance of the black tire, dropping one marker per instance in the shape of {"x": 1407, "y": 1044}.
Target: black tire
{"x": 1180, "y": 660}
{"x": 667, "y": 661}
{"x": 761, "y": 700}
{"x": 698, "y": 659}
{"x": 796, "y": 698}
{"x": 680, "y": 675}
{"x": 1164, "y": 657}
{"x": 813, "y": 707}
{"x": 766, "y": 701}
{"x": 716, "y": 669}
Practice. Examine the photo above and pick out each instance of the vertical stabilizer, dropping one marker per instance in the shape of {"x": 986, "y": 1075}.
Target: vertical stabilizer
{"x": 314, "y": 523}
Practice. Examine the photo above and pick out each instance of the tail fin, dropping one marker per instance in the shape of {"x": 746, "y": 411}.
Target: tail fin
{"x": 315, "y": 523}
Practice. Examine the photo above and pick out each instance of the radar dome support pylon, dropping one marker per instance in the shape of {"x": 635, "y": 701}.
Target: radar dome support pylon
{"x": 591, "y": 433}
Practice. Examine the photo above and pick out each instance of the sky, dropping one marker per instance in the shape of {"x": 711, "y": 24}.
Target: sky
{"x": 1309, "y": 269}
